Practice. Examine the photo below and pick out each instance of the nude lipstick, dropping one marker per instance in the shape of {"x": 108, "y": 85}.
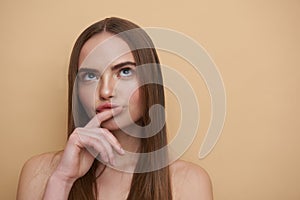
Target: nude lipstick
{"x": 106, "y": 106}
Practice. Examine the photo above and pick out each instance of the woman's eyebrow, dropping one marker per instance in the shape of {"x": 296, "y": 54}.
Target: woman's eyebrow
{"x": 88, "y": 70}
{"x": 114, "y": 67}
{"x": 122, "y": 64}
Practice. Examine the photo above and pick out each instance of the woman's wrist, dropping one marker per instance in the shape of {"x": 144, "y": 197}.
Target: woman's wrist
{"x": 58, "y": 187}
{"x": 59, "y": 177}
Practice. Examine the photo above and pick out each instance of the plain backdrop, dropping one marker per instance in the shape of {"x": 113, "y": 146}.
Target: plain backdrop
{"x": 254, "y": 43}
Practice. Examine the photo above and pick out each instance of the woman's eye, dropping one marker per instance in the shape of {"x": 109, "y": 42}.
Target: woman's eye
{"x": 89, "y": 76}
{"x": 125, "y": 72}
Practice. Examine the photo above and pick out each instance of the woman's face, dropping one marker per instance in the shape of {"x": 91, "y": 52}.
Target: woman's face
{"x": 107, "y": 79}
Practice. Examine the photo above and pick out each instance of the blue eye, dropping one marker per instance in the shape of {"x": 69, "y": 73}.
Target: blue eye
{"x": 88, "y": 76}
{"x": 125, "y": 72}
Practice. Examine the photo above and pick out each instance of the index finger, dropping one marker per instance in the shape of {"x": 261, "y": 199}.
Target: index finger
{"x": 100, "y": 117}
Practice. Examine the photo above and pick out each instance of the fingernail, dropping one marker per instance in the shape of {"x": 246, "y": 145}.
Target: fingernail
{"x": 112, "y": 162}
{"x": 122, "y": 150}
{"x": 105, "y": 160}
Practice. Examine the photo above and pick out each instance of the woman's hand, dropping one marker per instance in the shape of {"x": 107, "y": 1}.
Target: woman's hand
{"x": 83, "y": 146}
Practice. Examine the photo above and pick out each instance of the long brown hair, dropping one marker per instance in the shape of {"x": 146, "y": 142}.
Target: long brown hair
{"x": 154, "y": 185}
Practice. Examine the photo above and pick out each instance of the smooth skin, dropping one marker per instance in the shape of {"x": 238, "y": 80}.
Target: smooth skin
{"x": 50, "y": 176}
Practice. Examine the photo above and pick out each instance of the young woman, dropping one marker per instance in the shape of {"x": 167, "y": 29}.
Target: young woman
{"x": 112, "y": 85}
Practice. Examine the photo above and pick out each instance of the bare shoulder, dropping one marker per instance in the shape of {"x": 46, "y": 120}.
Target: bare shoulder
{"x": 190, "y": 181}
{"x": 35, "y": 174}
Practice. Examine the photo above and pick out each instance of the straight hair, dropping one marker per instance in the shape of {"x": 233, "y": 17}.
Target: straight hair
{"x": 154, "y": 185}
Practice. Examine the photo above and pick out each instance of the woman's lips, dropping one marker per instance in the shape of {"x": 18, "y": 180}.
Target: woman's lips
{"x": 106, "y": 106}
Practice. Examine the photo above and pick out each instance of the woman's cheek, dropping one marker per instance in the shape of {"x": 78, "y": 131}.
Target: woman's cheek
{"x": 135, "y": 106}
{"x": 87, "y": 99}
{"x": 134, "y": 99}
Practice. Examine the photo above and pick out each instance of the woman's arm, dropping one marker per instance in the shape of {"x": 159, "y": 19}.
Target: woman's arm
{"x": 190, "y": 182}
{"x": 56, "y": 185}
{"x": 198, "y": 184}
{"x": 40, "y": 181}
{"x": 34, "y": 176}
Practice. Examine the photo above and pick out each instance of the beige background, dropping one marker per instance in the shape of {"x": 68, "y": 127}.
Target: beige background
{"x": 255, "y": 44}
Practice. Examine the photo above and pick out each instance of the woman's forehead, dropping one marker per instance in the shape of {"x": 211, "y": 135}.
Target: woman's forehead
{"x": 102, "y": 49}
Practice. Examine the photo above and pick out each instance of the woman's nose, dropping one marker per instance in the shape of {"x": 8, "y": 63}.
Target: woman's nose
{"x": 106, "y": 87}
